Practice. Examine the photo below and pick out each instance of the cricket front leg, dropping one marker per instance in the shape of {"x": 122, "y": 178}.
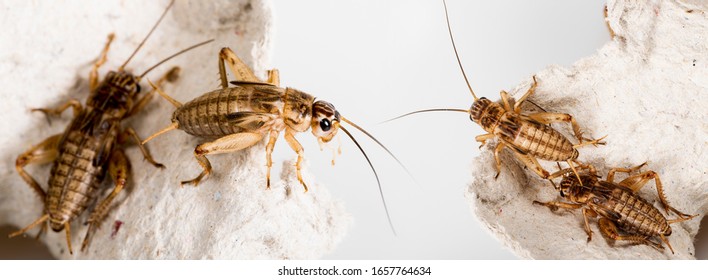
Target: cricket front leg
{"x": 48, "y": 112}
{"x": 272, "y": 137}
{"x": 482, "y": 139}
{"x": 119, "y": 170}
{"x": 497, "y": 159}
{"x": 226, "y": 144}
{"x": 130, "y": 132}
{"x": 93, "y": 75}
{"x": 297, "y": 147}
{"x": 588, "y": 213}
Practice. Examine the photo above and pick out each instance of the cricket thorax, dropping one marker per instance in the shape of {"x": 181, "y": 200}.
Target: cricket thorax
{"x": 297, "y": 109}
{"x": 571, "y": 188}
{"x": 115, "y": 92}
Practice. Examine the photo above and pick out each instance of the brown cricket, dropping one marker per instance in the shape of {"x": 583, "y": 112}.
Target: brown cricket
{"x": 90, "y": 147}
{"x": 618, "y": 205}
{"x": 529, "y": 136}
{"x": 235, "y": 118}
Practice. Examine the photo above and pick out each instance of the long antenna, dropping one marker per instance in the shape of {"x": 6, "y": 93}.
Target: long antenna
{"x": 380, "y": 144}
{"x": 176, "y": 54}
{"x": 447, "y": 18}
{"x": 428, "y": 110}
{"x": 148, "y": 35}
{"x": 388, "y": 216}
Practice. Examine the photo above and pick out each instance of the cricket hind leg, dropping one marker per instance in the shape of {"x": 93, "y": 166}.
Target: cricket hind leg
{"x": 532, "y": 164}
{"x": 636, "y": 182}
{"x": 549, "y": 118}
{"x": 119, "y": 170}
{"x": 93, "y": 75}
{"x": 609, "y": 229}
{"x": 529, "y": 92}
{"x": 226, "y": 144}
{"x": 37, "y": 222}
{"x": 241, "y": 71}
{"x": 44, "y": 152}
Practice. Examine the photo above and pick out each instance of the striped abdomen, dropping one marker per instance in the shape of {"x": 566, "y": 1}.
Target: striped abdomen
{"x": 230, "y": 110}
{"x": 632, "y": 213}
{"x": 74, "y": 179}
{"x": 535, "y": 139}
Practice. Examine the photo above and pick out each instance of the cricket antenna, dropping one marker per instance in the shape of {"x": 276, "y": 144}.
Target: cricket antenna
{"x": 428, "y": 110}
{"x": 388, "y": 216}
{"x": 148, "y": 36}
{"x": 174, "y": 55}
{"x": 447, "y": 18}
{"x": 382, "y": 146}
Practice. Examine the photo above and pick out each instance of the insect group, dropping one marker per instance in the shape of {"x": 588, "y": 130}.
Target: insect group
{"x": 248, "y": 110}
{"x": 530, "y": 137}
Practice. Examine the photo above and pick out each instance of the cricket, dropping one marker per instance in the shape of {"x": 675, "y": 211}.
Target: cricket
{"x": 618, "y": 205}
{"x": 91, "y": 146}
{"x": 238, "y": 117}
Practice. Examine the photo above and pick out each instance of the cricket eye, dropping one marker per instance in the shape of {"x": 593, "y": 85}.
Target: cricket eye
{"x": 562, "y": 193}
{"x": 325, "y": 125}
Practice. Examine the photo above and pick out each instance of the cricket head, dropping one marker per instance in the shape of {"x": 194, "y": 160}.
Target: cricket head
{"x": 486, "y": 113}
{"x": 325, "y": 121}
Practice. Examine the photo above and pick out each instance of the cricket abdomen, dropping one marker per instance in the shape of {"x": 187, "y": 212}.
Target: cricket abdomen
{"x": 635, "y": 215}
{"x": 538, "y": 140}
{"x": 74, "y": 179}
{"x": 228, "y": 111}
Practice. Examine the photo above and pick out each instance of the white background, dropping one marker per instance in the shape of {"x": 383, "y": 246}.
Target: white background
{"x": 375, "y": 60}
